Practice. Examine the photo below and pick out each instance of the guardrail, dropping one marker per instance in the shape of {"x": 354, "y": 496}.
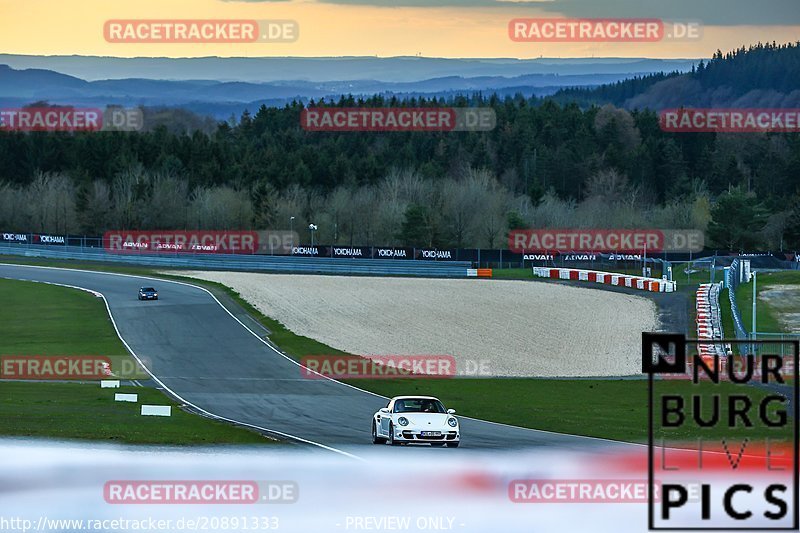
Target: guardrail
{"x": 709, "y": 322}
{"x": 265, "y": 263}
{"x": 607, "y": 278}
{"x": 734, "y": 279}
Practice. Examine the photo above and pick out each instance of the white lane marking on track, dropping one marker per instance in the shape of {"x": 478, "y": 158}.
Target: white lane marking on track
{"x": 153, "y": 376}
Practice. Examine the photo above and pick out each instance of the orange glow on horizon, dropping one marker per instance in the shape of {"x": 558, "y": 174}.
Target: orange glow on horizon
{"x": 46, "y": 27}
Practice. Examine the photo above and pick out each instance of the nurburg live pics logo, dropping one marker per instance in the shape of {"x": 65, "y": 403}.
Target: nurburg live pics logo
{"x": 734, "y": 415}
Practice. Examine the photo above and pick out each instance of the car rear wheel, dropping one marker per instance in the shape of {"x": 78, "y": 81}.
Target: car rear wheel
{"x": 392, "y": 442}
{"x": 375, "y": 438}
{"x": 452, "y": 445}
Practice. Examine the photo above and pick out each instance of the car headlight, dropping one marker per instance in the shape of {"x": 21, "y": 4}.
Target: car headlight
{"x": 452, "y": 422}
{"x": 403, "y": 421}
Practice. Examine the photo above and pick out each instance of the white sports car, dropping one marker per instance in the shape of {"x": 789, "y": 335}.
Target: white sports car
{"x": 420, "y": 419}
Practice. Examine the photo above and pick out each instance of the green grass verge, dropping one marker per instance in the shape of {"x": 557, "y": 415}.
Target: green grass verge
{"x": 85, "y": 411}
{"x": 768, "y": 314}
{"x": 726, "y": 315}
{"x": 40, "y": 319}
{"x": 698, "y": 273}
{"x": 512, "y": 273}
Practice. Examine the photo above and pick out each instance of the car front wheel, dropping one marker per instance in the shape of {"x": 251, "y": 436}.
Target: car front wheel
{"x": 375, "y": 438}
{"x": 392, "y": 442}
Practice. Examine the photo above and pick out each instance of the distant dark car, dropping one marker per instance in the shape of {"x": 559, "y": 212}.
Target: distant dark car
{"x": 148, "y": 293}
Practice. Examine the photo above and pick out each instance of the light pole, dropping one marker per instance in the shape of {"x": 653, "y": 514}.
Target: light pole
{"x": 713, "y": 267}
{"x": 291, "y": 230}
{"x": 644, "y": 262}
{"x": 753, "y": 331}
{"x": 312, "y": 228}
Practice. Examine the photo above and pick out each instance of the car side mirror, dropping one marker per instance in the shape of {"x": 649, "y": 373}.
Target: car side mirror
{"x": 451, "y": 411}
{"x": 384, "y": 410}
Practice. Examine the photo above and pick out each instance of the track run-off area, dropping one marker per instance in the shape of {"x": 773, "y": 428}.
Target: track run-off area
{"x": 204, "y": 357}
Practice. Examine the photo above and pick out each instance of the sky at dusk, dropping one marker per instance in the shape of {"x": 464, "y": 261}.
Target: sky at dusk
{"x": 431, "y": 28}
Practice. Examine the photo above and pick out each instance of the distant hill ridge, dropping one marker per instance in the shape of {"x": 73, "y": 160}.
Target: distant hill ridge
{"x": 327, "y": 69}
{"x": 24, "y": 80}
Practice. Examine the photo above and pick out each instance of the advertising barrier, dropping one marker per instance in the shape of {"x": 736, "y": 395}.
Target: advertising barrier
{"x": 276, "y": 242}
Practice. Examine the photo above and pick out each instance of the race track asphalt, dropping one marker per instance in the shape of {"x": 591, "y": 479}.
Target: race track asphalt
{"x": 202, "y": 354}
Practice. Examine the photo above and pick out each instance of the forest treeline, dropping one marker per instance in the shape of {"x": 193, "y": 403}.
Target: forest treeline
{"x": 761, "y": 75}
{"x": 545, "y": 164}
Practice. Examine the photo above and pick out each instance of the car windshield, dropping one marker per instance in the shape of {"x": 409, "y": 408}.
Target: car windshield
{"x": 148, "y": 289}
{"x": 418, "y": 405}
